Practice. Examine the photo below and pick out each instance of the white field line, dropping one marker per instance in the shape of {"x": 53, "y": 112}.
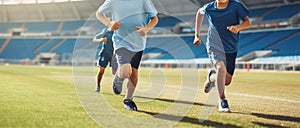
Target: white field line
{"x": 232, "y": 93}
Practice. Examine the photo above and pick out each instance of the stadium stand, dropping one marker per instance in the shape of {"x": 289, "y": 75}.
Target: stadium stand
{"x": 5, "y": 27}
{"x": 2, "y": 42}
{"x": 69, "y": 34}
{"x": 260, "y": 40}
{"x": 283, "y": 13}
{"x": 21, "y": 48}
{"x": 255, "y": 13}
{"x": 290, "y": 47}
{"x": 42, "y": 26}
{"x": 71, "y": 26}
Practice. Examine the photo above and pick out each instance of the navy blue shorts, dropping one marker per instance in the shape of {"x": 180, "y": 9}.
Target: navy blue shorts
{"x": 125, "y": 56}
{"x": 104, "y": 59}
{"x": 230, "y": 62}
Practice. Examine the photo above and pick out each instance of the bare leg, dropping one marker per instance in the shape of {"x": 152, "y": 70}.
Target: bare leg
{"x": 99, "y": 75}
{"x": 132, "y": 83}
{"x": 221, "y": 77}
{"x": 125, "y": 71}
{"x": 228, "y": 79}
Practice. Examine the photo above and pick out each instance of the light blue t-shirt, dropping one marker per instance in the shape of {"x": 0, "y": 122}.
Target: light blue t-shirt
{"x": 131, "y": 14}
{"x": 219, "y": 36}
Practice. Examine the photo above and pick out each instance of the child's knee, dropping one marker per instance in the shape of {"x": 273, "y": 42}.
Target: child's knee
{"x": 125, "y": 71}
{"x": 228, "y": 79}
{"x": 227, "y": 82}
{"x": 221, "y": 68}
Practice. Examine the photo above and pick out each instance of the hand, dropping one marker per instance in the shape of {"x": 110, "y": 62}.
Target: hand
{"x": 100, "y": 40}
{"x": 197, "y": 41}
{"x": 114, "y": 25}
{"x": 234, "y": 29}
{"x": 142, "y": 31}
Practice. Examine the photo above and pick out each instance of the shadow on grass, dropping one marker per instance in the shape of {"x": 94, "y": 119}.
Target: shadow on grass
{"x": 268, "y": 125}
{"x": 277, "y": 117}
{"x": 189, "y": 120}
{"x": 172, "y": 101}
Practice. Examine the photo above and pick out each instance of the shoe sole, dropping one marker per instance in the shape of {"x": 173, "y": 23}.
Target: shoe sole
{"x": 225, "y": 111}
{"x": 128, "y": 108}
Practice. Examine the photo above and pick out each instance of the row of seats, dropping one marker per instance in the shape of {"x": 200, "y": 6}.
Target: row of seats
{"x": 268, "y": 14}
{"x": 22, "y": 48}
{"x": 275, "y": 13}
{"x": 282, "y": 42}
{"x": 67, "y": 26}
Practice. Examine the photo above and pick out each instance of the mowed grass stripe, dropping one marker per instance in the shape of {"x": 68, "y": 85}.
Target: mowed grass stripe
{"x": 45, "y": 97}
{"x": 31, "y": 98}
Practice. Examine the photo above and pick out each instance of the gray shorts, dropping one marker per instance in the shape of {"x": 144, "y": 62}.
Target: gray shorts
{"x": 124, "y": 56}
{"x": 217, "y": 55}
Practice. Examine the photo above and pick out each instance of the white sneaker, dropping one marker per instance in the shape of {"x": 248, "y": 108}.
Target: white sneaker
{"x": 223, "y": 106}
{"x": 208, "y": 84}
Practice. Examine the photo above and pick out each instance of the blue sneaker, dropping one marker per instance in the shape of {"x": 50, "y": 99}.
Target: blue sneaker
{"x": 97, "y": 90}
{"x": 223, "y": 106}
{"x": 208, "y": 85}
{"x": 130, "y": 105}
{"x": 117, "y": 85}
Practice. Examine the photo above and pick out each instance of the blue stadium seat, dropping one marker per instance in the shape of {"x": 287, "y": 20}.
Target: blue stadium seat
{"x": 4, "y": 27}
{"x": 48, "y": 46}
{"x": 283, "y": 13}
{"x": 72, "y": 26}
{"x": 290, "y": 47}
{"x": 261, "y": 40}
{"x": 254, "y": 13}
{"x": 21, "y": 48}
{"x": 2, "y": 42}
{"x": 42, "y": 26}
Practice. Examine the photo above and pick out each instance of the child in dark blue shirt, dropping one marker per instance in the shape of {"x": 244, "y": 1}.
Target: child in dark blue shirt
{"x": 223, "y": 36}
{"x": 105, "y": 54}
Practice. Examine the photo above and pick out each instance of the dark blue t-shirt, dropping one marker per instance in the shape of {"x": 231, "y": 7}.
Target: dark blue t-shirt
{"x": 106, "y": 47}
{"x": 219, "y": 20}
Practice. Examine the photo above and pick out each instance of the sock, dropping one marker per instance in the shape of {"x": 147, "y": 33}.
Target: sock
{"x": 212, "y": 77}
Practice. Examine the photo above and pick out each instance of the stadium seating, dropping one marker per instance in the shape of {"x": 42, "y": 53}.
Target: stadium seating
{"x": 255, "y": 13}
{"x": 173, "y": 47}
{"x": 42, "y": 26}
{"x": 169, "y": 47}
{"x": 72, "y": 26}
{"x": 260, "y": 40}
{"x": 283, "y": 13}
{"x": 21, "y": 48}
{"x": 2, "y": 42}
{"x": 290, "y": 47}
{"x": 4, "y": 27}
{"x": 285, "y": 41}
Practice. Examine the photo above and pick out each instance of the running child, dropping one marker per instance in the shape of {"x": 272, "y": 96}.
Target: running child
{"x": 131, "y": 21}
{"x": 223, "y": 36}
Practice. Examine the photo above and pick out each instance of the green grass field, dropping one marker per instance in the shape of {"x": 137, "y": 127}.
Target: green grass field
{"x": 33, "y": 96}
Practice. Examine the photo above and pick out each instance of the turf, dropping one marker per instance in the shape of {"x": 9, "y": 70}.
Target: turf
{"x": 33, "y": 96}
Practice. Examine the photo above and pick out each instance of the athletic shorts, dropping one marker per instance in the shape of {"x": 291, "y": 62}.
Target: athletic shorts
{"x": 230, "y": 62}
{"x": 216, "y": 56}
{"x": 104, "y": 59}
{"x": 125, "y": 56}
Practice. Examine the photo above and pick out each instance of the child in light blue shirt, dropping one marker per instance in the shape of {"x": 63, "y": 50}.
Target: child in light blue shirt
{"x": 131, "y": 21}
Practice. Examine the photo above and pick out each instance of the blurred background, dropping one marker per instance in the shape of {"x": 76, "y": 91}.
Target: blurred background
{"x": 47, "y": 32}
